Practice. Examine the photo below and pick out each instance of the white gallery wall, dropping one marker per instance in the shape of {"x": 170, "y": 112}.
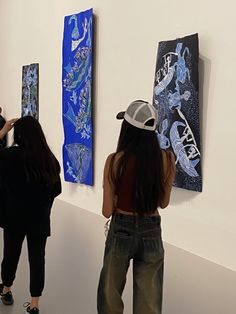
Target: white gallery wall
{"x": 127, "y": 34}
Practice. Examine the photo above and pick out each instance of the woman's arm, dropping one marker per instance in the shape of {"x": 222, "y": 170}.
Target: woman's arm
{"x": 108, "y": 191}
{"x": 7, "y": 127}
{"x": 169, "y": 175}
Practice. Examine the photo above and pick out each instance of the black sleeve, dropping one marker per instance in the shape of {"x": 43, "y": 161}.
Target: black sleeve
{"x": 3, "y": 141}
{"x": 1, "y": 170}
{"x": 2, "y": 122}
{"x": 57, "y": 188}
{"x": 57, "y": 185}
{"x": 1, "y": 193}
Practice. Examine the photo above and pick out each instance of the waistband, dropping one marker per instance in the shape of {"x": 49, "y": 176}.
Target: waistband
{"x": 118, "y": 217}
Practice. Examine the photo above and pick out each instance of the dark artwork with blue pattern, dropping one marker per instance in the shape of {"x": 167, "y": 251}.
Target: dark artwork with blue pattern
{"x": 77, "y": 86}
{"x": 30, "y": 91}
{"x": 176, "y": 97}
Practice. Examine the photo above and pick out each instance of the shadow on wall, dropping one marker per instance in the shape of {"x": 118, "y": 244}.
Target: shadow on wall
{"x": 194, "y": 285}
{"x": 74, "y": 261}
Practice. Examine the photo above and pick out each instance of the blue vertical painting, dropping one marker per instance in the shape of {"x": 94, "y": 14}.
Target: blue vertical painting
{"x": 77, "y": 98}
{"x": 176, "y": 97}
{"x": 30, "y": 90}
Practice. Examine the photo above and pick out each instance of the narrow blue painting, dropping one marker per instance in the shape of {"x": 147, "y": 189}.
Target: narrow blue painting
{"x": 77, "y": 98}
{"x": 29, "y": 98}
{"x": 176, "y": 97}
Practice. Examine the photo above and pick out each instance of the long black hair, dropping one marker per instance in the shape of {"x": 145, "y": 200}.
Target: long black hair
{"x": 148, "y": 171}
{"x": 39, "y": 162}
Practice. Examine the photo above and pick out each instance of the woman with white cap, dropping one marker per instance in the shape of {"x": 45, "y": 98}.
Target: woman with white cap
{"x": 138, "y": 179}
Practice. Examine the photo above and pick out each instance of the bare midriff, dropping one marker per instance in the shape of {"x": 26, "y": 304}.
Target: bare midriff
{"x": 132, "y": 213}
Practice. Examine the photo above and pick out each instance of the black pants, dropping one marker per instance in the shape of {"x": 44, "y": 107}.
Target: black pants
{"x": 36, "y": 255}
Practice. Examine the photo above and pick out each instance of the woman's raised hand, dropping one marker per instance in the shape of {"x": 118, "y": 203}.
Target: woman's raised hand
{"x": 7, "y": 127}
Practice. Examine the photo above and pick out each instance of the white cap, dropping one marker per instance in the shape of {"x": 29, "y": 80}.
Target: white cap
{"x": 138, "y": 114}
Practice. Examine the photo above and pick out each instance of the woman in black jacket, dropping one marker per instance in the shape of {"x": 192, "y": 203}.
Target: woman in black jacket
{"x": 29, "y": 182}
{"x": 3, "y": 140}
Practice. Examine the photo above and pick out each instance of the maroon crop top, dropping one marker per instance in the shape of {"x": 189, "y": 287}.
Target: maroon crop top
{"x": 126, "y": 188}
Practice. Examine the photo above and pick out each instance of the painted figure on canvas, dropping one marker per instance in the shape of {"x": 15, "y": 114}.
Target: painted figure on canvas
{"x": 176, "y": 98}
{"x": 30, "y": 106}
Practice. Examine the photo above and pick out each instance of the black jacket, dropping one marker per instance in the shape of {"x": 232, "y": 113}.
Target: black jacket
{"x": 3, "y": 141}
{"x": 24, "y": 207}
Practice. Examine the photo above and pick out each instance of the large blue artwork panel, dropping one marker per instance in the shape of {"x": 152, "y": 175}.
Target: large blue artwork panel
{"x": 77, "y": 98}
{"x": 176, "y": 97}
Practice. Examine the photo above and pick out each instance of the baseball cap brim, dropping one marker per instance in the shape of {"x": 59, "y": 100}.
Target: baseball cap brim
{"x": 120, "y": 115}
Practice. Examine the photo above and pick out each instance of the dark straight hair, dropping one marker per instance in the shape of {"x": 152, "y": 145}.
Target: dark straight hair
{"x": 39, "y": 161}
{"x": 148, "y": 171}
